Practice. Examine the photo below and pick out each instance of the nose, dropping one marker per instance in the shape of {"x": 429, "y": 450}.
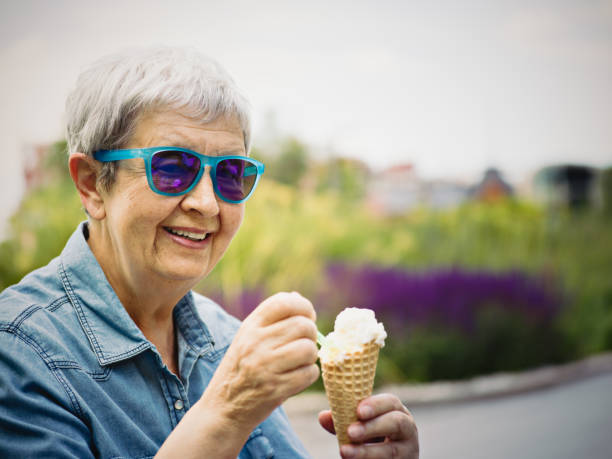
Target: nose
{"x": 202, "y": 198}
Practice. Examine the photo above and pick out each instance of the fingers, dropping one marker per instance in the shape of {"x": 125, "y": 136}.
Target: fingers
{"x": 281, "y": 306}
{"x": 291, "y": 341}
{"x": 295, "y": 381}
{"x": 272, "y": 357}
{"x": 379, "y": 404}
{"x": 291, "y": 329}
{"x": 394, "y": 425}
{"x": 384, "y": 417}
{"x": 386, "y": 450}
{"x": 294, "y": 354}
{"x": 284, "y": 333}
{"x": 278, "y": 341}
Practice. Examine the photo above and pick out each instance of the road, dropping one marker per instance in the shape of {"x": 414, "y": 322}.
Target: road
{"x": 573, "y": 420}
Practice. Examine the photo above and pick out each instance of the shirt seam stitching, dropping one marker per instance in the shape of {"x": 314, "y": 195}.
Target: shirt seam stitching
{"x": 79, "y": 310}
{"x": 50, "y": 364}
{"x": 190, "y": 309}
{"x": 58, "y": 303}
{"x": 23, "y": 315}
{"x": 87, "y": 327}
{"x": 174, "y": 419}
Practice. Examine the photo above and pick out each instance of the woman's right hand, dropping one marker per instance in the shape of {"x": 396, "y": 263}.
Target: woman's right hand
{"x": 271, "y": 358}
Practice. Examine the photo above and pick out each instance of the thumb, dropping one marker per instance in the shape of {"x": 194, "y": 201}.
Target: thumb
{"x": 326, "y": 421}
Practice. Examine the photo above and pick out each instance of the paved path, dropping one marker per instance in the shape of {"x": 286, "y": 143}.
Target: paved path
{"x": 571, "y": 419}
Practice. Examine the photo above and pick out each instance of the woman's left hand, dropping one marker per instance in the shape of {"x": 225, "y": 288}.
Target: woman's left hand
{"x": 385, "y": 429}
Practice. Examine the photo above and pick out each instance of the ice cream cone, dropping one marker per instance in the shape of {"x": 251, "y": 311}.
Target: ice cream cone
{"x": 347, "y": 383}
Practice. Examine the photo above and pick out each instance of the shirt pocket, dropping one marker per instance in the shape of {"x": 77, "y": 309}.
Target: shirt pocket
{"x": 258, "y": 446}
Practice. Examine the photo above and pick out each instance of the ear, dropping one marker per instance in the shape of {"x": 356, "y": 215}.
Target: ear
{"x": 84, "y": 173}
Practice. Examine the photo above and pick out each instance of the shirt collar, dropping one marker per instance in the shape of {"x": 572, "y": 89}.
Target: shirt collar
{"x": 112, "y": 333}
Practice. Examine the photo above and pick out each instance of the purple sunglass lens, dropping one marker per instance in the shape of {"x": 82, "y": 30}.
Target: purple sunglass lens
{"x": 235, "y": 178}
{"x": 174, "y": 171}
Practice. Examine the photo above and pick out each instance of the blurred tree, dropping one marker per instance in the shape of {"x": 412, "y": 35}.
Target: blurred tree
{"x": 606, "y": 190}
{"x": 44, "y": 220}
{"x": 287, "y": 163}
{"x": 291, "y": 164}
{"x": 291, "y": 235}
{"x": 346, "y": 176}
{"x": 55, "y": 163}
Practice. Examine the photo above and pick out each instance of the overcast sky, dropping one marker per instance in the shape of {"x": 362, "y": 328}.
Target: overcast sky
{"x": 452, "y": 87}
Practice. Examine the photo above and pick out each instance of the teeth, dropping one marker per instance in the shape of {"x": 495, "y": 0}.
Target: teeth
{"x": 188, "y": 234}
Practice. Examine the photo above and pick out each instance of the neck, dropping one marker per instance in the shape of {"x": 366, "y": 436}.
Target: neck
{"x": 148, "y": 300}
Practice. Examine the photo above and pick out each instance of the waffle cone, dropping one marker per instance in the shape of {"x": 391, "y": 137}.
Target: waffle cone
{"x": 346, "y": 384}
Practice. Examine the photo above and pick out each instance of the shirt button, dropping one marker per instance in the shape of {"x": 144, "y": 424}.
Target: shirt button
{"x": 178, "y": 405}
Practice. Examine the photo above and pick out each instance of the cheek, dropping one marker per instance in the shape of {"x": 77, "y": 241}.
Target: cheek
{"x": 231, "y": 219}
{"x": 141, "y": 213}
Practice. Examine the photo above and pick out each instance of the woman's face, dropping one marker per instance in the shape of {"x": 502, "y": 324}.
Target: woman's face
{"x": 173, "y": 238}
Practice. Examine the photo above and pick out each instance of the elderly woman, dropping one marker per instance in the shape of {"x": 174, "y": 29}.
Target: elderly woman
{"x": 106, "y": 351}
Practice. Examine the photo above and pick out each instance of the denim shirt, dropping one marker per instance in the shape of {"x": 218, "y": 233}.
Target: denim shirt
{"x": 79, "y": 379}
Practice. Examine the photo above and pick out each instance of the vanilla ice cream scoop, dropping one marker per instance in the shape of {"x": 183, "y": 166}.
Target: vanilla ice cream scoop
{"x": 353, "y": 329}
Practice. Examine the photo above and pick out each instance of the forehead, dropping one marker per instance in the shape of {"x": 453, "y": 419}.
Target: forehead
{"x": 171, "y": 128}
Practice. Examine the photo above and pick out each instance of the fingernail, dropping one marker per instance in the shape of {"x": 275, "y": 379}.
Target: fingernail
{"x": 355, "y": 431}
{"x": 366, "y": 412}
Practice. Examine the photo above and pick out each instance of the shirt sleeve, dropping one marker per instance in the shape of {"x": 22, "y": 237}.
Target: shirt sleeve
{"x": 37, "y": 413}
{"x": 278, "y": 437}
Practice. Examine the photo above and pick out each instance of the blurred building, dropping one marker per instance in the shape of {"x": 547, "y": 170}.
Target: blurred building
{"x": 444, "y": 194}
{"x": 570, "y": 185}
{"x": 399, "y": 189}
{"x": 492, "y": 187}
{"x": 395, "y": 190}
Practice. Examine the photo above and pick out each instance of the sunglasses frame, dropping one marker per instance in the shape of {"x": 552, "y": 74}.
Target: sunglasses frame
{"x": 212, "y": 161}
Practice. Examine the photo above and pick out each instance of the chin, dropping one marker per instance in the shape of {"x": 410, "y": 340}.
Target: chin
{"x": 184, "y": 274}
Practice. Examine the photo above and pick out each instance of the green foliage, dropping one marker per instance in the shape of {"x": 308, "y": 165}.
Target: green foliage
{"x": 289, "y": 235}
{"x": 55, "y": 163}
{"x": 290, "y": 165}
{"x": 606, "y": 188}
{"x": 274, "y": 249}
{"x": 287, "y": 238}
{"x": 346, "y": 177}
{"x": 501, "y": 341}
{"x": 44, "y": 221}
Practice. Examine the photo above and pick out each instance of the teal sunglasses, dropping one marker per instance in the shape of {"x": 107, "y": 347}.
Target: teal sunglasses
{"x": 174, "y": 171}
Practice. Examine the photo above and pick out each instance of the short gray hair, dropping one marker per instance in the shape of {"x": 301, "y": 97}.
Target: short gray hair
{"x": 104, "y": 107}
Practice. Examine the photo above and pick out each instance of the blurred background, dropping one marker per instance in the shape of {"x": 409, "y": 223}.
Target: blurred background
{"x": 447, "y": 164}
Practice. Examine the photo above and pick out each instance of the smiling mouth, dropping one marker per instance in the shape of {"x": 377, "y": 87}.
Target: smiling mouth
{"x": 197, "y": 237}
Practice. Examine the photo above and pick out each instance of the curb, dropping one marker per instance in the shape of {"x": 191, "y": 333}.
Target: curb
{"x": 480, "y": 387}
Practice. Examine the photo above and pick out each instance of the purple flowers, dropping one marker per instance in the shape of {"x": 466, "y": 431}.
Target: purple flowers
{"x": 444, "y": 323}
{"x": 240, "y": 305}
{"x": 450, "y": 297}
